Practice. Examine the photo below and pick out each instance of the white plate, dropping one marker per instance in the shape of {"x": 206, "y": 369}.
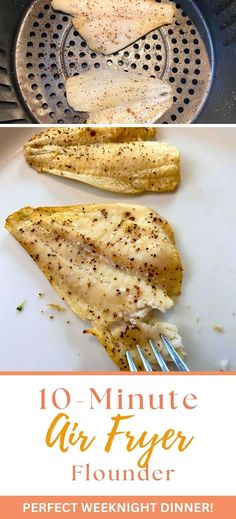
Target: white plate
{"x": 203, "y": 214}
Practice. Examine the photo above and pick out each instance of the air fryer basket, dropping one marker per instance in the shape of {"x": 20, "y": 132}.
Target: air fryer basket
{"x": 39, "y": 48}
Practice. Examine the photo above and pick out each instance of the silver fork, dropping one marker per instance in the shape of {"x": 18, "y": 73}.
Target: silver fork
{"x": 179, "y": 363}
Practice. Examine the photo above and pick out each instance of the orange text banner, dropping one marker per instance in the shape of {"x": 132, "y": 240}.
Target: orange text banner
{"x": 95, "y": 507}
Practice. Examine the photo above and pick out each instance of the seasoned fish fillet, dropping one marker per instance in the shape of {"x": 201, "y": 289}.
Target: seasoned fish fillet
{"x": 110, "y": 25}
{"x": 75, "y": 136}
{"x": 112, "y": 263}
{"x": 119, "y": 167}
{"x": 113, "y": 96}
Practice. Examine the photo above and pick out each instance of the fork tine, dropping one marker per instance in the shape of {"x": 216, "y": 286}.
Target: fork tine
{"x": 130, "y": 361}
{"x": 174, "y": 355}
{"x": 158, "y": 356}
{"x": 144, "y": 360}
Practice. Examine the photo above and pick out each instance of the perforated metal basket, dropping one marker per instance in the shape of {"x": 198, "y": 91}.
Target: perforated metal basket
{"x": 39, "y": 49}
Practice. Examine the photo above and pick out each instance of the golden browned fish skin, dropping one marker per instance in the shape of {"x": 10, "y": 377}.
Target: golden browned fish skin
{"x": 112, "y": 96}
{"x": 75, "y": 136}
{"x": 108, "y": 26}
{"x": 126, "y": 168}
{"x": 112, "y": 263}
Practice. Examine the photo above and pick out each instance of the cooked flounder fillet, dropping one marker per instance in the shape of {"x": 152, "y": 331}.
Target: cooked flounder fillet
{"x": 75, "y": 136}
{"x": 113, "y": 96}
{"x": 112, "y": 263}
{"x": 110, "y": 25}
{"x": 119, "y": 167}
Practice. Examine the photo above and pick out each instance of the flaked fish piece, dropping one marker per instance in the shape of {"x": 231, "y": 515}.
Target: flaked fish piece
{"x": 124, "y": 337}
{"x": 112, "y": 263}
{"x": 108, "y": 26}
{"x": 126, "y": 168}
{"x": 77, "y": 136}
{"x": 113, "y": 96}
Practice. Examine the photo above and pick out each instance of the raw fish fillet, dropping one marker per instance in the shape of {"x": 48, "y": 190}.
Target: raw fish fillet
{"x": 112, "y": 96}
{"x": 110, "y": 25}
